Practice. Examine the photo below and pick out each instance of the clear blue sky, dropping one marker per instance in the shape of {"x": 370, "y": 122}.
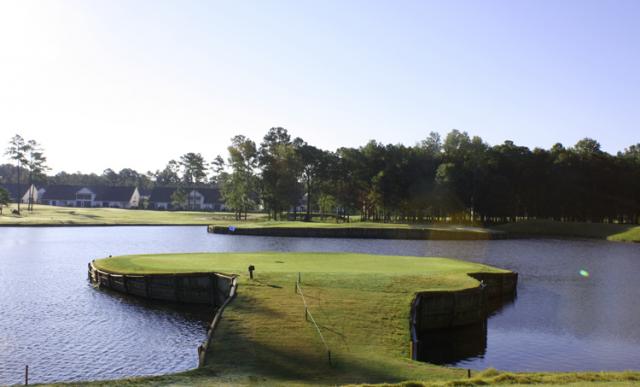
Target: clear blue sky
{"x": 136, "y": 83}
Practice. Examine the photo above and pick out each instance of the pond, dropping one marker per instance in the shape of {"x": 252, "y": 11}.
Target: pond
{"x": 54, "y": 321}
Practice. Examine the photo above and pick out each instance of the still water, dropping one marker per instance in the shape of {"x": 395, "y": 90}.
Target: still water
{"x": 54, "y": 321}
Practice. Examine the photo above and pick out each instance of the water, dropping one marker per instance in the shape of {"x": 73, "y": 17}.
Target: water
{"x": 53, "y": 320}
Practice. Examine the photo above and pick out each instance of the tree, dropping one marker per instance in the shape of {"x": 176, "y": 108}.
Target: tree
{"x": 178, "y": 198}
{"x": 37, "y": 166}
{"x": 4, "y": 199}
{"x": 193, "y": 168}
{"x": 17, "y": 151}
{"x": 313, "y": 163}
{"x": 194, "y": 171}
{"x": 110, "y": 176}
{"x": 169, "y": 175}
{"x": 281, "y": 170}
{"x": 239, "y": 187}
{"x": 217, "y": 168}
{"x": 326, "y": 204}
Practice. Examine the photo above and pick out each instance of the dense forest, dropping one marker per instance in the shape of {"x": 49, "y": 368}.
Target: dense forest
{"x": 456, "y": 178}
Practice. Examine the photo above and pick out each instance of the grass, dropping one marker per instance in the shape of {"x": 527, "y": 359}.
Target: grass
{"x": 548, "y": 228}
{"x": 359, "y": 224}
{"x": 361, "y": 303}
{"x": 70, "y": 216}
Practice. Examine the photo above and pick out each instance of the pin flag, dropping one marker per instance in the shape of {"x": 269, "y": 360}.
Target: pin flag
{"x": 584, "y": 273}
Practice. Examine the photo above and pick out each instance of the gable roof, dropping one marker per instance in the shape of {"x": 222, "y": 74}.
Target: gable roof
{"x": 68, "y": 192}
{"x": 60, "y": 192}
{"x": 114, "y": 194}
{"x": 163, "y": 194}
{"x": 15, "y": 190}
{"x": 211, "y": 195}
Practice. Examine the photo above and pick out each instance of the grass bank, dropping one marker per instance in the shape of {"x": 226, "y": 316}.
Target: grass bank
{"x": 71, "y": 216}
{"x": 524, "y": 229}
{"x": 360, "y": 230}
{"x": 548, "y": 228}
{"x": 360, "y": 303}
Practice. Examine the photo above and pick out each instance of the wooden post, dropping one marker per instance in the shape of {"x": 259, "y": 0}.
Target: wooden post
{"x": 306, "y": 314}
{"x": 329, "y": 356}
{"x": 468, "y": 373}
{"x": 26, "y": 375}
{"x": 299, "y": 278}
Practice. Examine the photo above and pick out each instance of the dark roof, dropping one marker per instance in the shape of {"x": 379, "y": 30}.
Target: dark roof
{"x": 211, "y": 195}
{"x": 113, "y": 194}
{"x": 15, "y": 190}
{"x": 163, "y": 194}
{"x": 60, "y": 192}
{"x": 144, "y": 192}
{"x": 68, "y": 192}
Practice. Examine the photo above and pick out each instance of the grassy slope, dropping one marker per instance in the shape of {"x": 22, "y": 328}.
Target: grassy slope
{"x": 613, "y": 232}
{"x": 52, "y": 215}
{"x": 360, "y": 301}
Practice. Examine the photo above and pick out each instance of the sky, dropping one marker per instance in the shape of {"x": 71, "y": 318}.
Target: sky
{"x": 115, "y": 84}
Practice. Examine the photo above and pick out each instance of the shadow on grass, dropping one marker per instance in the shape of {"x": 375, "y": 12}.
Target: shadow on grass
{"x": 234, "y": 354}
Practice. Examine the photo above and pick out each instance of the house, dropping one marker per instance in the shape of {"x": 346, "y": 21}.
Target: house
{"x": 198, "y": 198}
{"x": 94, "y": 196}
{"x": 22, "y": 191}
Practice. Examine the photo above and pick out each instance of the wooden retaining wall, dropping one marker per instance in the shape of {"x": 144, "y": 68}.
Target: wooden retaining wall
{"x": 447, "y": 309}
{"x": 358, "y": 233}
{"x": 213, "y": 289}
{"x": 198, "y": 288}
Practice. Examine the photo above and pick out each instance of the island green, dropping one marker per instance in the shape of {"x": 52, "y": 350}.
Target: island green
{"x": 361, "y": 304}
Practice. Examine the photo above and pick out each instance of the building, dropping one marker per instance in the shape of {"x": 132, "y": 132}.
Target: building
{"x": 84, "y": 196}
{"x": 200, "y": 199}
{"x": 22, "y": 191}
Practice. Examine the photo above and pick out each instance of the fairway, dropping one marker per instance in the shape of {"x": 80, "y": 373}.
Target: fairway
{"x": 71, "y": 216}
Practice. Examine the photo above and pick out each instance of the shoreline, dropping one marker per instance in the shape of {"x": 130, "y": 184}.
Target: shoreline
{"x": 103, "y": 225}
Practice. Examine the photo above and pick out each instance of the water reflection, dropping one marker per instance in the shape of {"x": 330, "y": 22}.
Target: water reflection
{"x": 450, "y": 345}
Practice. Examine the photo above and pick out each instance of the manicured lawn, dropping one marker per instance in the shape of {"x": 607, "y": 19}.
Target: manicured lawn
{"x": 52, "y": 215}
{"x": 360, "y": 302}
{"x": 547, "y": 228}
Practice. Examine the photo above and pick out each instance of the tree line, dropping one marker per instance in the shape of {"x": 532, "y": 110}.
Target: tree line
{"x": 457, "y": 178}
